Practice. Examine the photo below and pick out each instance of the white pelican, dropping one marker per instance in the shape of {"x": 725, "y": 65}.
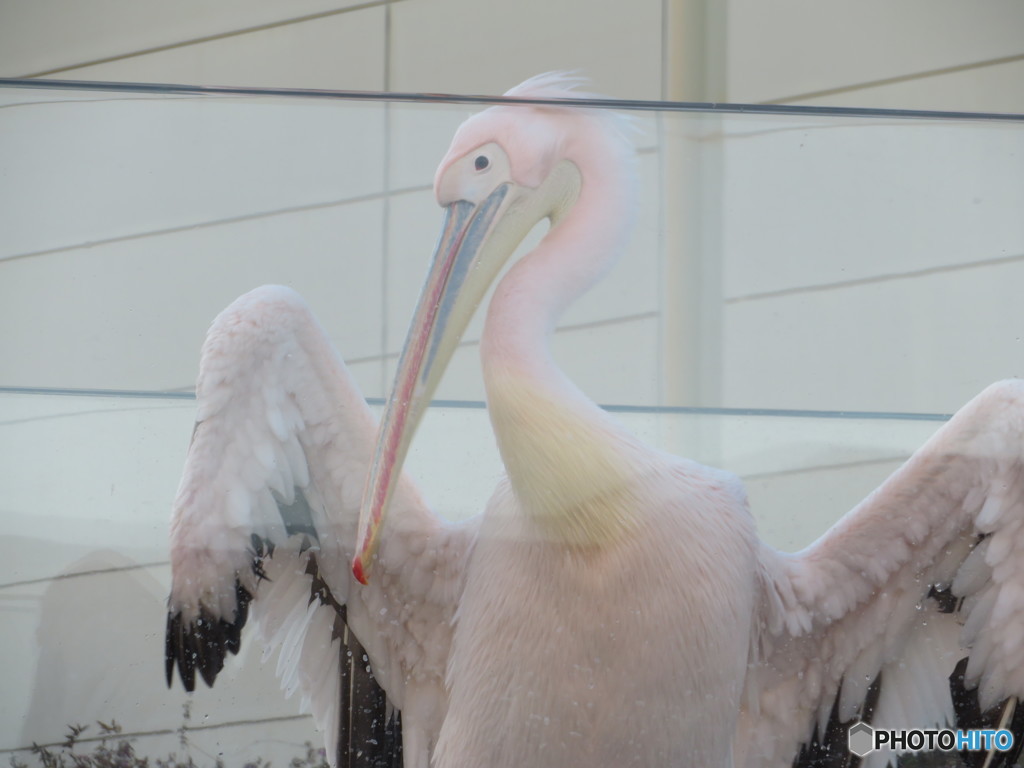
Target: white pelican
{"x": 613, "y": 605}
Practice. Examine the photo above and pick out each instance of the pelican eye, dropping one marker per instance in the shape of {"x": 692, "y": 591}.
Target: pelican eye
{"x": 481, "y": 162}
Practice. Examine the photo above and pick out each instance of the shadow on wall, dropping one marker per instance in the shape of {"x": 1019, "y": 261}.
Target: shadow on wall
{"x": 100, "y": 643}
{"x": 100, "y": 634}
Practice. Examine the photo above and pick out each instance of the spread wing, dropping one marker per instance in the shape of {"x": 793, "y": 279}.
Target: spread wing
{"x": 265, "y": 517}
{"x": 910, "y": 610}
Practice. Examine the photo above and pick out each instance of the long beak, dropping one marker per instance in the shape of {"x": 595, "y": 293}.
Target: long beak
{"x": 453, "y": 289}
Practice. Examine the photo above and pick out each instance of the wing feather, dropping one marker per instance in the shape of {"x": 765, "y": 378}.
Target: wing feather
{"x": 885, "y": 590}
{"x": 267, "y": 512}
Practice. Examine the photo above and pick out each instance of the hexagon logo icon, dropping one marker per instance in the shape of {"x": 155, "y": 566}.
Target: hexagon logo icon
{"x": 861, "y": 739}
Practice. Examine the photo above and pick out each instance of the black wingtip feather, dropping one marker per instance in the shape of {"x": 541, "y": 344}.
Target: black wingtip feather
{"x": 945, "y": 600}
{"x": 204, "y": 644}
{"x": 1006, "y": 714}
{"x": 368, "y": 738}
{"x": 170, "y": 645}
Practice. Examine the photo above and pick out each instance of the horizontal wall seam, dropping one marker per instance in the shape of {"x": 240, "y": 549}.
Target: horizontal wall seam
{"x": 211, "y": 38}
{"x": 84, "y": 574}
{"x": 217, "y": 222}
{"x": 837, "y": 467}
{"x": 886, "y": 278}
{"x": 896, "y": 79}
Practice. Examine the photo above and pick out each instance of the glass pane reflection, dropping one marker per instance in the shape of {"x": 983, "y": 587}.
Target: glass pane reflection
{"x": 820, "y": 260}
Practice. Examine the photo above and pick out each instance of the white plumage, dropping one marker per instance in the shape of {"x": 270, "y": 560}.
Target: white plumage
{"x": 613, "y": 605}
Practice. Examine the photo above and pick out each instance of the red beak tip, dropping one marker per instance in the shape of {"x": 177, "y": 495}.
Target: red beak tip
{"x": 358, "y": 572}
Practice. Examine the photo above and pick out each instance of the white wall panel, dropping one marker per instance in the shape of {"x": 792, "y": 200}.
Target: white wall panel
{"x": 78, "y": 173}
{"x": 614, "y": 362}
{"x": 93, "y": 474}
{"x": 811, "y": 202}
{"x": 464, "y": 46}
{"x": 927, "y": 343}
{"x": 784, "y": 49}
{"x": 345, "y": 51}
{"x": 48, "y": 34}
{"x": 132, "y": 314}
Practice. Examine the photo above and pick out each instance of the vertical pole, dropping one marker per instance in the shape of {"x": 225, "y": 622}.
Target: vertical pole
{"x": 691, "y": 330}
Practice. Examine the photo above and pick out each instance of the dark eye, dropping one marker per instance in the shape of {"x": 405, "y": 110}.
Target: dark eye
{"x": 481, "y": 162}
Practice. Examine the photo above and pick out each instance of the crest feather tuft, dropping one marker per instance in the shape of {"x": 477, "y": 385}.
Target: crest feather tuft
{"x": 553, "y": 85}
{"x": 571, "y": 85}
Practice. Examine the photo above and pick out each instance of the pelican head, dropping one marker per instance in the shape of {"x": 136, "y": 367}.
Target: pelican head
{"x": 508, "y": 168}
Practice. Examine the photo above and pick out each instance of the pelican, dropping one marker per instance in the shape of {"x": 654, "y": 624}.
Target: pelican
{"x": 613, "y": 604}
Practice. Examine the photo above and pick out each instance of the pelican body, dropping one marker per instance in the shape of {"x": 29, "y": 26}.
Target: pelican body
{"x": 612, "y": 605}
